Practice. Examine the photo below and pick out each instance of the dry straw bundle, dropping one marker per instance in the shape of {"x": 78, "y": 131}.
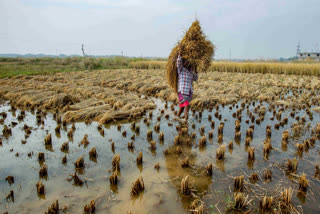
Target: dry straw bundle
{"x": 196, "y": 50}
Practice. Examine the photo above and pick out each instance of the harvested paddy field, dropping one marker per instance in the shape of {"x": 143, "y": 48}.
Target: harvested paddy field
{"x": 110, "y": 142}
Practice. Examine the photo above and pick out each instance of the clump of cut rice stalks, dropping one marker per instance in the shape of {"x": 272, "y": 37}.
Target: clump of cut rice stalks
{"x": 41, "y": 156}
{"x": 10, "y": 180}
{"x": 84, "y": 141}
{"x": 64, "y": 159}
{"x": 133, "y": 125}
{"x": 79, "y": 164}
{"x": 116, "y": 162}
{"x": 185, "y": 163}
{"x": 149, "y": 135}
{"x": 210, "y": 135}
{"x": 54, "y": 208}
{"x": 240, "y": 201}
{"x": 317, "y": 169}
{"x": 185, "y": 186}
{"x": 268, "y": 132}
{"x": 220, "y": 129}
{"x": 212, "y": 124}
{"x": 307, "y": 144}
{"x": 286, "y": 196}
{"x": 124, "y": 133}
{"x": 157, "y": 166}
{"x": 130, "y": 145}
{"x": 266, "y": 149}
{"x": 254, "y": 177}
{"x": 114, "y": 178}
{"x": 48, "y": 140}
{"x": 93, "y": 153}
{"x": 112, "y": 147}
{"x": 10, "y": 196}
{"x": 139, "y": 158}
{"x": 137, "y": 187}
{"x": 196, "y": 207}
{"x": 157, "y": 127}
{"x": 220, "y": 138}
{"x": 209, "y": 169}
{"x": 161, "y": 136}
{"x": 196, "y": 53}
{"x": 57, "y": 129}
{"x": 166, "y": 152}
{"x": 137, "y": 129}
{"x": 220, "y": 152}
{"x": 248, "y": 141}
{"x": 176, "y": 140}
{"x": 194, "y": 135}
{"x": 300, "y": 147}
{"x": 65, "y": 147}
{"x": 133, "y": 137}
{"x": 202, "y": 129}
{"x": 293, "y": 165}
{"x": 76, "y": 179}
{"x": 203, "y": 141}
{"x": 184, "y": 131}
{"x": 40, "y": 188}
{"x": 251, "y": 155}
{"x": 266, "y": 203}
{"x": 90, "y": 208}
{"x": 153, "y": 145}
{"x": 43, "y": 172}
{"x": 303, "y": 183}
{"x": 267, "y": 174}
{"x": 249, "y": 133}
{"x": 230, "y": 145}
{"x": 238, "y": 185}
{"x": 237, "y": 136}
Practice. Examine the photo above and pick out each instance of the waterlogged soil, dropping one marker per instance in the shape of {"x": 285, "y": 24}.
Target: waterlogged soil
{"x": 162, "y": 193}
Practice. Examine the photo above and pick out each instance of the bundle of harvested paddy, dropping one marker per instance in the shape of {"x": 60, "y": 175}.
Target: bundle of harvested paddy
{"x": 93, "y": 153}
{"x": 303, "y": 183}
{"x": 10, "y": 196}
{"x": 317, "y": 170}
{"x": 251, "y": 155}
{"x": 40, "y": 156}
{"x": 157, "y": 127}
{"x": 133, "y": 125}
{"x": 10, "y": 180}
{"x": 209, "y": 169}
{"x": 230, "y": 145}
{"x": 112, "y": 147}
{"x": 76, "y": 179}
{"x": 43, "y": 172}
{"x": 84, "y": 141}
{"x": 307, "y": 144}
{"x": 196, "y": 51}
{"x": 40, "y": 188}
{"x": 238, "y": 184}
{"x": 137, "y": 128}
{"x": 212, "y": 124}
{"x": 300, "y": 147}
{"x": 249, "y": 133}
{"x": 153, "y": 145}
{"x": 178, "y": 150}
{"x": 266, "y": 203}
{"x": 254, "y": 177}
{"x": 89, "y": 208}
{"x": 203, "y": 141}
{"x": 220, "y": 152}
{"x": 54, "y": 208}
{"x": 116, "y": 162}
{"x": 185, "y": 186}
{"x": 240, "y": 202}
{"x": 139, "y": 158}
{"x": 124, "y": 133}
{"x": 286, "y": 196}
{"x": 79, "y": 163}
{"x": 149, "y": 135}
{"x": 65, "y": 147}
{"x": 64, "y": 159}
{"x": 248, "y": 141}
{"x": 185, "y": 163}
{"x": 266, "y": 149}
{"x": 293, "y": 165}
{"x": 130, "y": 145}
{"x": 184, "y": 131}
{"x": 220, "y": 129}
{"x": 237, "y": 136}
{"x": 210, "y": 135}
{"x": 57, "y": 129}
{"x": 48, "y": 140}
{"x": 267, "y": 174}
{"x": 137, "y": 187}
{"x": 161, "y": 136}
{"x": 114, "y": 178}
{"x": 157, "y": 166}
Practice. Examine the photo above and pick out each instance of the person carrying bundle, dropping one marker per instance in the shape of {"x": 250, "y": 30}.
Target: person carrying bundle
{"x": 185, "y": 89}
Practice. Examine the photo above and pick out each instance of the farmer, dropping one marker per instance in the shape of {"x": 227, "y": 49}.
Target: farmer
{"x": 185, "y": 90}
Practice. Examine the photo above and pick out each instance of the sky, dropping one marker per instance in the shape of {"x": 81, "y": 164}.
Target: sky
{"x": 240, "y": 29}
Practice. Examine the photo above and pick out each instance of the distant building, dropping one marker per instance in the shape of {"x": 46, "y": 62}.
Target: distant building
{"x": 309, "y": 55}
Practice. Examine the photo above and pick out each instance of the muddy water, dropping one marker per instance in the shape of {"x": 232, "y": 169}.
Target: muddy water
{"x": 162, "y": 187}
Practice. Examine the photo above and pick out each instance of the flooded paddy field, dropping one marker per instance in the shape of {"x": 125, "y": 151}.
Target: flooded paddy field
{"x": 186, "y": 167}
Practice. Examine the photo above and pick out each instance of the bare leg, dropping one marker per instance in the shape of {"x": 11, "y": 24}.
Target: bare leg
{"x": 180, "y": 111}
{"x": 186, "y": 112}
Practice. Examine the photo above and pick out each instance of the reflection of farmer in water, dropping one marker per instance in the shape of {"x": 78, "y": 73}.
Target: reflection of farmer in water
{"x": 186, "y": 76}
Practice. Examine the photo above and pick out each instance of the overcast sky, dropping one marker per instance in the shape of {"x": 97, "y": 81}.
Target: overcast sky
{"x": 240, "y": 28}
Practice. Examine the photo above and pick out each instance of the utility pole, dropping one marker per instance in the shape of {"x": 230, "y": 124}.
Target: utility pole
{"x": 82, "y": 48}
{"x": 298, "y": 50}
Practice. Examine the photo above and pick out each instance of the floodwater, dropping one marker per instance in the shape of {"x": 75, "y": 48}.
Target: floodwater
{"x": 162, "y": 192}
